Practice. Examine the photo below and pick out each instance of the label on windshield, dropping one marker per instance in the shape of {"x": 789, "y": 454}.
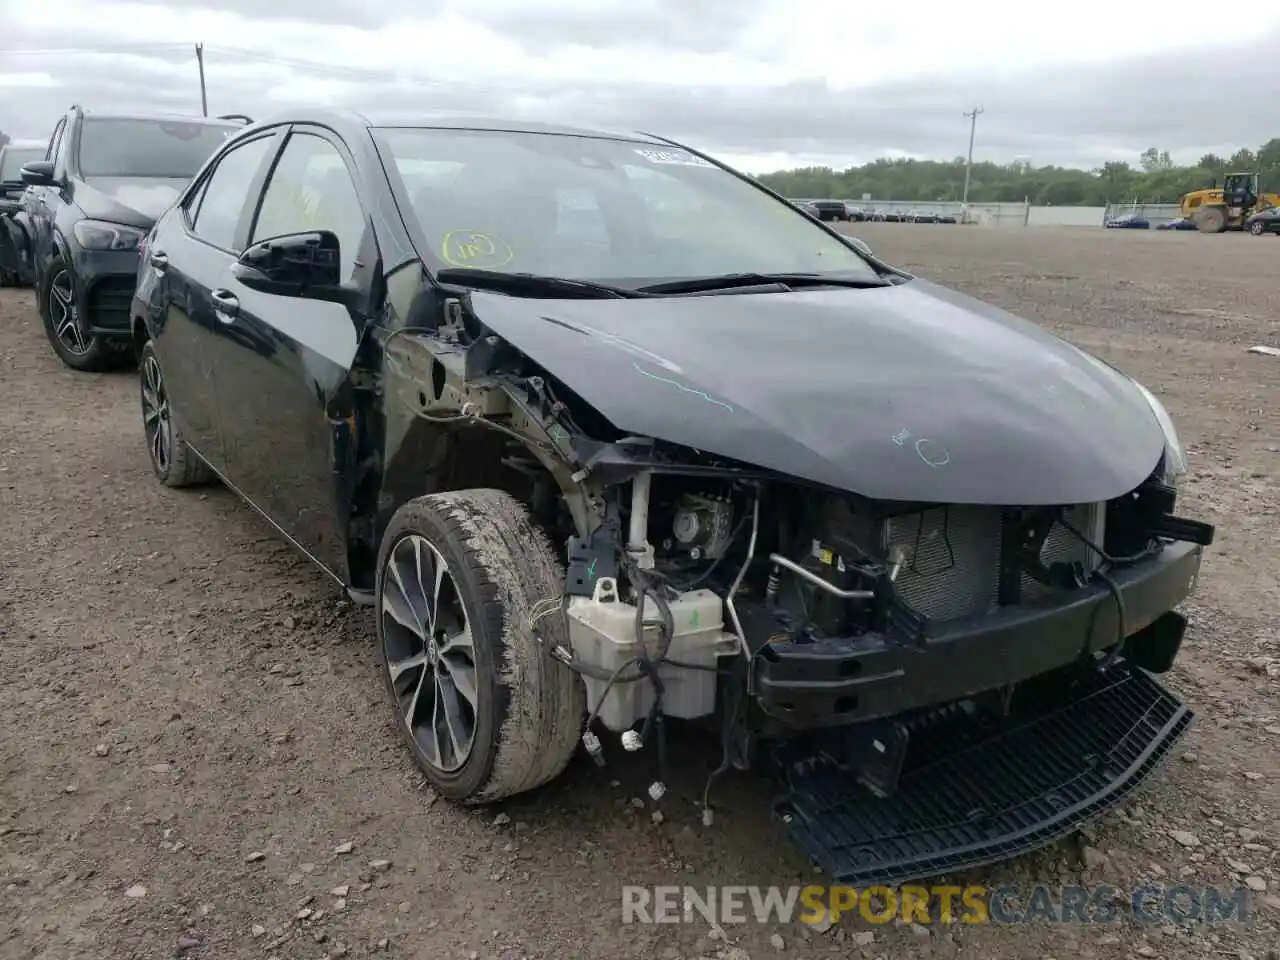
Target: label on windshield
{"x": 677, "y": 157}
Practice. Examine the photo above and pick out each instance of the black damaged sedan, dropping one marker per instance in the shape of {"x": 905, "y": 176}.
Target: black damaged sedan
{"x": 616, "y": 442}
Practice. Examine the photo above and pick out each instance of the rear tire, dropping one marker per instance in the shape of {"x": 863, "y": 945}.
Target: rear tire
{"x": 491, "y": 715}
{"x": 174, "y": 462}
{"x": 1211, "y": 219}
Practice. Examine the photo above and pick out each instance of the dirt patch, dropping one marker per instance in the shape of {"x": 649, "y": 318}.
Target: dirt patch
{"x": 198, "y": 758}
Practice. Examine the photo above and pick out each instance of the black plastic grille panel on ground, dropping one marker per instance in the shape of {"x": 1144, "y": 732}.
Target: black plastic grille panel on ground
{"x": 971, "y": 796}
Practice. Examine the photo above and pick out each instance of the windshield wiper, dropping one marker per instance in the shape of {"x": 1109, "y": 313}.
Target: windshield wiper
{"x": 531, "y": 283}
{"x": 728, "y": 280}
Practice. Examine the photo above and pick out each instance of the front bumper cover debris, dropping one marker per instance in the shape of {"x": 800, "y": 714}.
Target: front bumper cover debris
{"x": 973, "y": 792}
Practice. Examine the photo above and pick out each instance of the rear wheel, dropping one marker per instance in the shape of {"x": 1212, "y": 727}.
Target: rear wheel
{"x": 174, "y": 462}
{"x": 484, "y": 710}
{"x": 1211, "y": 219}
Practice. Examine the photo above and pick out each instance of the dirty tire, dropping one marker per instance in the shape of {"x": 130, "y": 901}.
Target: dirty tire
{"x": 90, "y": 354}
{"x": 529, "y": 708}
{"x": 1211, "y": 220}
{"x": 180, "y": 467}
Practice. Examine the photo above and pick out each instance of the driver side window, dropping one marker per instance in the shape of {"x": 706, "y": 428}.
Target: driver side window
{"x": 311, "y": 189}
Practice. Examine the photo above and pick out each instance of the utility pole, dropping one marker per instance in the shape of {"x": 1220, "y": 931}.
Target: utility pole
{"x": 204, "y": 100}
{"x": 973, "y": 126}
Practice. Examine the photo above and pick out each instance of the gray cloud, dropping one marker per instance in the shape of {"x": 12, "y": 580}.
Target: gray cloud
{"x": 704, "y": 26}
{"x": 1084, "y": 115}
{"x": 355, "y": 13}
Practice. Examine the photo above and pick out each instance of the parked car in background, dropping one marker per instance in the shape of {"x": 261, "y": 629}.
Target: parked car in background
{"x": 807, "y": 207}
{"x": 856, "y": 213}
{"x": 1129, "y": 221}
{"x": 1178, "y": 223}
{"x": 921, "y": 216}
{"x": 13, "y": 259}
{"x": 947, "y": 218}
{"x": 832, "y": 210}
{"x": 103, "y": 180}
{"x": 1264, "y": 221}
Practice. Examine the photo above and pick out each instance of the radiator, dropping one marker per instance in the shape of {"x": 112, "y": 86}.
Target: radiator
{"x": 952, "y": 567}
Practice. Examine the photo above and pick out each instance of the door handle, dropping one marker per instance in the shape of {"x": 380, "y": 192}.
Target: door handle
{"x": 160, "y": 261}
{"x": 226, "y": 305}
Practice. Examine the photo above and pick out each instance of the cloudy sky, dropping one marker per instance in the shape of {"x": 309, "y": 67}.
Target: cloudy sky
{"x": 761, "y": 83}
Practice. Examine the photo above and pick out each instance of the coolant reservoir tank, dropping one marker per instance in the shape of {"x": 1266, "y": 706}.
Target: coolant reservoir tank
{"x": 602, "y": 632}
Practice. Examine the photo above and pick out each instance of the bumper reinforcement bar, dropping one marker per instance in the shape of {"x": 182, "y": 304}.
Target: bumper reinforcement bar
{"x": 973, "y": 792}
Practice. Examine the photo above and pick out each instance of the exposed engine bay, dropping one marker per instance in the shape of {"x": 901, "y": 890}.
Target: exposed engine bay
{"x": 728, "y": 587}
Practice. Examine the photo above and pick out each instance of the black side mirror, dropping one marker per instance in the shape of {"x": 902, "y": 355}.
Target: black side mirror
{"x": 38, "y": 173}
{"x": 305, "y": 265}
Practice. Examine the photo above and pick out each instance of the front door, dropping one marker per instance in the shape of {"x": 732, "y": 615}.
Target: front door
{"x": 282, "y": 359}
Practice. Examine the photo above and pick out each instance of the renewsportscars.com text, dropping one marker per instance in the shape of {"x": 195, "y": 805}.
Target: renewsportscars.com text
{"x": 816, "y": 904}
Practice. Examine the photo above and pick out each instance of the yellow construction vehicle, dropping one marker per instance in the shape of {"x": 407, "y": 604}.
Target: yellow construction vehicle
{"x": 1227, "y": 207}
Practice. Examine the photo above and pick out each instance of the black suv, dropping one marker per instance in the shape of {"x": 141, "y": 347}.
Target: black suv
{"x": 103, "y": 181}
{"x": 12, "y": 157}
{"x": 832, "y": 210}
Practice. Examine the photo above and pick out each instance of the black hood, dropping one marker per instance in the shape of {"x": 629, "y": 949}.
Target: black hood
{"x": 909, "y": 392}
{"x": 133, "y": 201}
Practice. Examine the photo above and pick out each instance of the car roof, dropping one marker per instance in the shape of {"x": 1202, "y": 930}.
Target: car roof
{"x": 160, "y": 118}
{"x": 348, "y": 120}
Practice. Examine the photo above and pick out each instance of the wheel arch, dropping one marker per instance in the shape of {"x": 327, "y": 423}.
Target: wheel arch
{"x": 139, "y": 337}
{"x": 428, "y": 458}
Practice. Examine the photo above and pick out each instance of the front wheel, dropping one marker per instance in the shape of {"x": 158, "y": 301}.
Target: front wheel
{"x": 1257, "y": 229}
{"x": 1211, "y": 220}
{"x": 485, "y": 712}
{"x": 64, "y": 324}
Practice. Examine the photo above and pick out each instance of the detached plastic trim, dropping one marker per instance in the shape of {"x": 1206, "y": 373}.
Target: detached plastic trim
{"x": 972, "y": 795}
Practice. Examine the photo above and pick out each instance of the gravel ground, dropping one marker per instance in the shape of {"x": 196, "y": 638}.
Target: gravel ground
{"x": 197, "y": 758}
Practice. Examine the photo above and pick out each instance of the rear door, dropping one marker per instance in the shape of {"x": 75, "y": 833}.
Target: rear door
{"x": 35, "y": 202}
{"x": 191, "y": 250}
{"x": 283, "y": 358}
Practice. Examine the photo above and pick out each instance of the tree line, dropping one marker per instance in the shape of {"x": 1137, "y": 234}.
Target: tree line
{"x": 1154, "y": 179}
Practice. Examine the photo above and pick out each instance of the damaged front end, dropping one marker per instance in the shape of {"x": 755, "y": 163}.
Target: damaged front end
{"x": 935, "y": 685}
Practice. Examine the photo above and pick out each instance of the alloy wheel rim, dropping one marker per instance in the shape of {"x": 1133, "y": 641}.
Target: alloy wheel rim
{"x": 429, "y": 653}
{"x": 62, "y": 305}
{"x": 155, "y": 414}
{"x": 1257, "y": 229}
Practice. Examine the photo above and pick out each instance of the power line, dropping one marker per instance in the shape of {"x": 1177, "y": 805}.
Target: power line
{"x": 336, "y": 70}
{"x": 132, "y": 47}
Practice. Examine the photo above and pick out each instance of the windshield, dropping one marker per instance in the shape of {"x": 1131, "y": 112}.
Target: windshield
{"x": 175, "y": 149}
{"x": 15, "y": 158}
{"x": 592, "y": 208}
